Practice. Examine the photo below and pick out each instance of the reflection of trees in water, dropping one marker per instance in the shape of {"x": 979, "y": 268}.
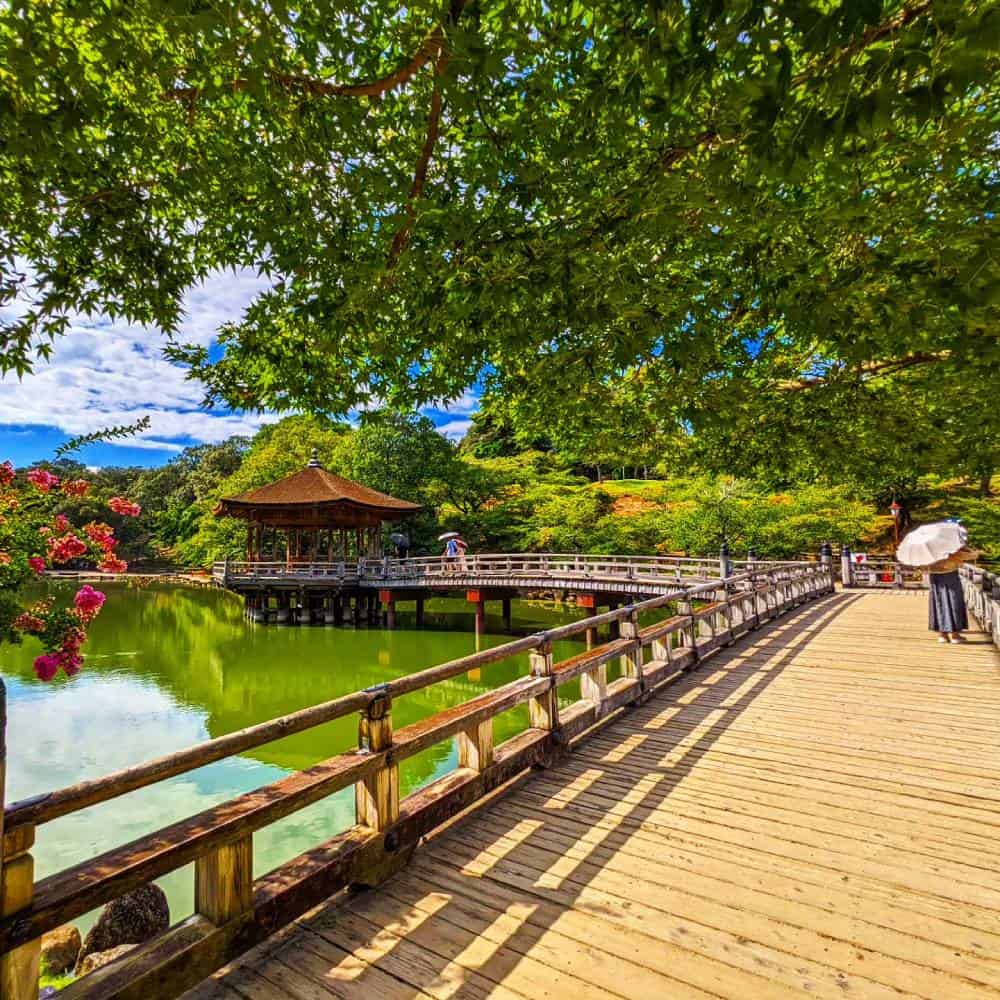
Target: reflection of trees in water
{"x": 194, "y": 644}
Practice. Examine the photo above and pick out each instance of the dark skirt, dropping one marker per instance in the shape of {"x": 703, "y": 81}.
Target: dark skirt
{"x": 947, "y": 603}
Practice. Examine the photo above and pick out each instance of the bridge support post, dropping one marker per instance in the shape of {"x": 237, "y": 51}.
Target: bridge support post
{"x": 420, "y": 611}
{"x": 505, "y": 610}
{"x": 613, "y": 629}
{"x": 18, "y": 968}
{"x": 476, "y": 597}
{"x": 588, "y": 603}
{"x": 385, "y": 597}
{"x": 377, "y": 797}
{"x": 543, "y": 711}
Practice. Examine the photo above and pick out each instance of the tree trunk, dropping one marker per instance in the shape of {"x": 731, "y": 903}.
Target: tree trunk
{"x": 986, "y": 483}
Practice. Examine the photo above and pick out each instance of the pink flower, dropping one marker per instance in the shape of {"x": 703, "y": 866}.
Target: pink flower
{"x": 47, "y": 666}
{"x": 27, "y": 622}
{"x": 102, "y": 535}
{"x": 37, "y": 563}
{"x": 42, "y": 480}
{"x": 112, "y": 564}
{"x": 66, "y": 548}
{"x": 76, "y": 487}
{"x": 88, "y": 602}
{"x": 6, "y": 473}
{"x": 124, "y": 507}
{"x": 4, "y": 558}
{"x": 61, "y": 523}
{"x": 71, "y": 663}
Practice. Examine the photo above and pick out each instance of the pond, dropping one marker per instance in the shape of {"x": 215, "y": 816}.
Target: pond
{"x": 168, "y": 666}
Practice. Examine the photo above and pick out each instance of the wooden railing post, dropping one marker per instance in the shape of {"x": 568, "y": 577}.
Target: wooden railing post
{"x": 475, "y": 746}
{"x": 631, "y": 662}
{"x": 689, "y": 635}
{"x": 223, "y": 881}
{"x": 543, "y": 710}
{"x": 377, "y": 797}
{"x": 826, "y": 558}
{"x": 846, "y": 571}
{"x": 18, "y": 968}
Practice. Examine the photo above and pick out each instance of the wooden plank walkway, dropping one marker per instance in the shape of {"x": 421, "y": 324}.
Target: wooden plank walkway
{"x": 814, "y": 812}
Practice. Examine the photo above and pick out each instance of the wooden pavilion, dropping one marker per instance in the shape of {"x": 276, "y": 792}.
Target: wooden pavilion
{"x": 314, "y": 515}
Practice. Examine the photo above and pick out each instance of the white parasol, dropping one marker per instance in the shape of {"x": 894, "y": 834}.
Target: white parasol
{"x": 931, "y": 543}
{"x": 448, "y": 535}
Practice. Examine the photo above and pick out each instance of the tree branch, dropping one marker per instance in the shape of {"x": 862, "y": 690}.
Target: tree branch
{"x": 430, "y": 50}
{"x": 402, "y": 238}
{"x": 866, "y": 372}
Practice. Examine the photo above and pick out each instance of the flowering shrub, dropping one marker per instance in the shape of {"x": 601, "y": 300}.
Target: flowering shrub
{"x": 125, "y": 507}
{"x": 35, "y": 537}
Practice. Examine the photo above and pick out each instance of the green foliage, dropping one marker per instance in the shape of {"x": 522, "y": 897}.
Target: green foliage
{"x": 670, "y": 212}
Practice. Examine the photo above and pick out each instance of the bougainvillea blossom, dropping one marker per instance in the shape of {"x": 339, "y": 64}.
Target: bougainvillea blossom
{"x": 76, "y": 487}
{"x": 42, "y": 480}
{"x": 88, "y": 602}
{"x": 61, "y": 629}
{"x": 125, "y": 507}
{"x": 66, "y": 547}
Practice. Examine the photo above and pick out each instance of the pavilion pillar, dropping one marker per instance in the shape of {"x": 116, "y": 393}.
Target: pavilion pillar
{"x": 613, "y": 627}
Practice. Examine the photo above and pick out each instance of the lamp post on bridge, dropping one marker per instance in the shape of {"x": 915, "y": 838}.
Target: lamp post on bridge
{"x": 897, "y": 512}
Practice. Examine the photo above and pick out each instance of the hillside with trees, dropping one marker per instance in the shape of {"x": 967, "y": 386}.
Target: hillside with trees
{"x": 512, "y": 490}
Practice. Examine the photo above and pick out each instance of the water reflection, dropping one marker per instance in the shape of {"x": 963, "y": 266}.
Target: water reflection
{"x": 169, "y": 666}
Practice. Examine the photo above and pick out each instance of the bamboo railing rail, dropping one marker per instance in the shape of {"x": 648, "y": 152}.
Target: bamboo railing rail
{"x": 234, "y": 911}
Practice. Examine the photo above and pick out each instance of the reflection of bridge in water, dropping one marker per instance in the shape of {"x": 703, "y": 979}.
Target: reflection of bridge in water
{"x": 789, "y": 791}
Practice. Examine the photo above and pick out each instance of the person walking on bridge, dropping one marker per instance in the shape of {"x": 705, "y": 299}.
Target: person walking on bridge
{"x": 941, "y": 549}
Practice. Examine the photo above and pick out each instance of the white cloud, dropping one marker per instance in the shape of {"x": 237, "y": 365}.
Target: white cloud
{"x": 102, "y": 374}
{"x": 467, "y": 403}
{"x": 454, "y": 429}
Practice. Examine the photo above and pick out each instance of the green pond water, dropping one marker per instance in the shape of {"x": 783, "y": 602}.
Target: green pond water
{"x": 169, "y": 666}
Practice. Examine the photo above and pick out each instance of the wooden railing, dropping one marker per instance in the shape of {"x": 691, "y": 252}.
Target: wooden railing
{"x": 663, "y": 571}
{"x": 233, "y": 910}
{"x": 982, "y": 595}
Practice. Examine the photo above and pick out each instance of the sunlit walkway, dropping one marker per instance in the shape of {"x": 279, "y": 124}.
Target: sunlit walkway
{"x": 816, "y": 811}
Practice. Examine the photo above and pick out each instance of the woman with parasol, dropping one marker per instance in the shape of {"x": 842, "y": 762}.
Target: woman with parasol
{"x": 454, "y": 550}
{"x": 940, "y": 549}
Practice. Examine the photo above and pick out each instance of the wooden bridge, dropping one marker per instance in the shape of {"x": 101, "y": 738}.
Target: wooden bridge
{"x": 789, "y": 791}
{"x": 339, "y": 591}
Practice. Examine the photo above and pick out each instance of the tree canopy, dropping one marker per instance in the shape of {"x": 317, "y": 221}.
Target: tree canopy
{"x": 690, "y": 206}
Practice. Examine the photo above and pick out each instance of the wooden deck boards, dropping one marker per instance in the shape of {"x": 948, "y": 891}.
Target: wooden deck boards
{"x": 814, "y": 812}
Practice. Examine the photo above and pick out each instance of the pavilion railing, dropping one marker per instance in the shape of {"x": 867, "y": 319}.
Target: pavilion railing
{"x": 662, "y": 570}
{"x": 233, "y": 910}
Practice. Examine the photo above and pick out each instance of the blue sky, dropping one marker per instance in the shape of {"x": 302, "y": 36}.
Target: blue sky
{"x": 104, "y": 374}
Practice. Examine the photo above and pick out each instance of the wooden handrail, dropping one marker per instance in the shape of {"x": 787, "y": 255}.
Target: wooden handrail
{"x": 235, "y": 911}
